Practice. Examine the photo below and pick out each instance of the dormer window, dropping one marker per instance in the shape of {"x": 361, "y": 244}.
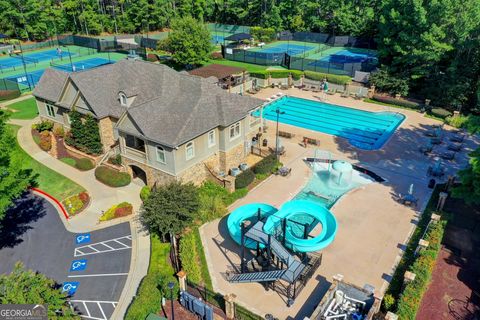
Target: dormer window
{"x": 123, "y": 99}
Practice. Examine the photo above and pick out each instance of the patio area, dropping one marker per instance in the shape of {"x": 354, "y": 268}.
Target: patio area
{"x": 373, "y": 228}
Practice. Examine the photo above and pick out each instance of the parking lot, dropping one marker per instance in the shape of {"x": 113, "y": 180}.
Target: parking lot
{"x": 91, "y": 267}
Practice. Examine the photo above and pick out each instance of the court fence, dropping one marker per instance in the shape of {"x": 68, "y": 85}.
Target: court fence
{"x": 9, "y": 89}
{"x": 300, "y": 49}
{"x": 227, "y": 28}
{"x": 104, "y": 45}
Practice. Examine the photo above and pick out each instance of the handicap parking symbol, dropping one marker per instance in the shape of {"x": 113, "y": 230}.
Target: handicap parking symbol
{"x": 78, "y": 265}
{"x": 70, "y": 287}
{"x": 82, "y": 238}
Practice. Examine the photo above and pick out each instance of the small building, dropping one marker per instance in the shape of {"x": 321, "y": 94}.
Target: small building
{"x": 165, "y": 125}
{"x": 233, "y": 79}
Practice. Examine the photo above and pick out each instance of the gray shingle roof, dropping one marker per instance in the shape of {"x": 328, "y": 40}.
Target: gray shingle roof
{"x": 168, "y": 106}
{"x": 50, "y": 85}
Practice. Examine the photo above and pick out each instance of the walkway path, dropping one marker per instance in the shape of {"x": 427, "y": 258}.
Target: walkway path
{"x": 102, "y": 198}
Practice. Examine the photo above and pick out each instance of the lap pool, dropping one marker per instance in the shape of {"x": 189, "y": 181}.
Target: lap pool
{"x": 363, "y": 129}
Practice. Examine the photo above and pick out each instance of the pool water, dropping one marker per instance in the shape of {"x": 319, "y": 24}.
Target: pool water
{"x": 363, "y": 129}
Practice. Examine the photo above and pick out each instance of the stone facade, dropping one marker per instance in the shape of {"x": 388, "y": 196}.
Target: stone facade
{"x": 105, "y": 127}
{"x": 232, "y": 158}
{"x": 154, "y": 176}
{"x": 199, "y": 172}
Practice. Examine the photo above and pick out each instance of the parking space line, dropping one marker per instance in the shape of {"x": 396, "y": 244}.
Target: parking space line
{"x": 98, "y": 275}
{"x": 102, "y": 247}
{"x": 98, "y": 303}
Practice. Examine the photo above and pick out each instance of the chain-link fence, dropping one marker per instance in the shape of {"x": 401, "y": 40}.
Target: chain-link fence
{"x": 104, "y": 45}
{"x": 9, "y": 89}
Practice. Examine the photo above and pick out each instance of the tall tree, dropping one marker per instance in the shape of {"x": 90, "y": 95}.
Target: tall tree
{"x": 28, "y": 287}
{"x": 469, "y": 189}
{"x": 189, "y": 41}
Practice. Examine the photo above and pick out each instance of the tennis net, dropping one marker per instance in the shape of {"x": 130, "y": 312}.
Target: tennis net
{"x": 26, "y": 59}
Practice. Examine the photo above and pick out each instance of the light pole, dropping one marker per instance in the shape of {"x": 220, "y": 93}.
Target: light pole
{"x": 278, "y": 112}
{"x": 25, "y": 67}
{"x": 69, "y": 56}
{"x": 171, "y": 285}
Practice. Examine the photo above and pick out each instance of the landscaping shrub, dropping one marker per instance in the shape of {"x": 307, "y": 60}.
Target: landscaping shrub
{"x": 112, "y": 177}
{"x": 388, "y": 302}
{"x": 212, "y": 190}
{"x": 470, "y": 122}
{"x": 153, "y": 286}
{"x": 44, "y": 125}
{"x": 189, "y": 257}
{"x": 152, "y": 57}
{"x": 84, "y": 133}
{"x": 440, "y": 113}
{"x": 85, "y": 164}
{"x": 278, "y": 74}
{"x": 459, "y": 121}
{"x": 211, "y": 207}
{"x": 384, "y": 81}
{"x": 411, "y": 297}
{"x": 145, "y": 192}
{"x": 397, "y": 102}
{"x": 332, "y": 78}
{"x": 59, "y": 132}
{"x": 244, "y": 179}
{"x": 216, "y": 55}
{"x": 75, "y": 204}
{"x": 260, "y": 74}
{"x": 120, "y": 210}
{"x": 115, "y": 160}
{"x": 266, "y": 165}
{"x": 45, "y": 141}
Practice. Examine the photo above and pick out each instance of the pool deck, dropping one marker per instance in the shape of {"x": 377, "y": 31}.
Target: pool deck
{"x": 373, "y": 228}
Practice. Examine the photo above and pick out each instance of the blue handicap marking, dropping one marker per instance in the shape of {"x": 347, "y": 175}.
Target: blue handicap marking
{"x": 82, "y": 238}
{"x": 78, "y": 265}
{"x": 70, "y": 287}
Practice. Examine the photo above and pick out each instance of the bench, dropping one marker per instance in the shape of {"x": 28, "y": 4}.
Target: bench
{"x": 314, "y": 142}
{"x": 285, "y": 134}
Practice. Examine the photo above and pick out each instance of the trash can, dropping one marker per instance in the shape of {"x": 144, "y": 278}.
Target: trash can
{"x": 431, "y": 183}
{"x": 264, "y": 142}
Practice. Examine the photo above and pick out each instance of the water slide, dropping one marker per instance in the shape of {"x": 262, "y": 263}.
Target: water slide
{"x": 274, "y": 218}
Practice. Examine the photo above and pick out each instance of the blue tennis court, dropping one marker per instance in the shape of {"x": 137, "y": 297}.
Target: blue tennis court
{"x": 291, "y": 49}
{"x": 342, "y": 57}
{"x": 217, "y": 39}
{"x": 33, "y": 57}
{"x": 33, "y": 77}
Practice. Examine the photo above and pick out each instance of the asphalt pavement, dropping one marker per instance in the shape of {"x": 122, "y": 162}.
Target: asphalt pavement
{"x": 92, "y": 267}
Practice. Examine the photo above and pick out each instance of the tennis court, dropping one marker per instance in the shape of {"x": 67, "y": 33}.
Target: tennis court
{"x": 31, "y": 78}
{"x": 33, "y": 57}
{"x": 285, "y": 47}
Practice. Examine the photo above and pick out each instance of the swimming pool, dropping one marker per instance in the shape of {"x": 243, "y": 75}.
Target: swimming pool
{"x": 363, "y": 129}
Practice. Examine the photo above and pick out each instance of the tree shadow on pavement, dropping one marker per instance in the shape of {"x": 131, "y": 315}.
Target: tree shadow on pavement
{"x": 18, "y": 219}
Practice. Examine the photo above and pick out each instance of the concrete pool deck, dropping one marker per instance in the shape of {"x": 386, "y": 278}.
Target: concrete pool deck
{"x": 373, "y": 228}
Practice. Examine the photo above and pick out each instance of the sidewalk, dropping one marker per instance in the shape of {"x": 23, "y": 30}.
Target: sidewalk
{"x": 102, "y": 198}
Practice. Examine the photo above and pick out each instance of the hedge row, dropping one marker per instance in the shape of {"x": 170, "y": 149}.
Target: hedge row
{"x": 397, "y": 102}
{"x": 411, "y": 297}
{"x": 440, "y": 113}
{"x": 148, "y": 298}
{"x": 244, "y": 179}
{"x": 332, "y": 78}
{"x": 276, "y": 74}
{"x": 111, "y": 177}
{"x": 266, "y": 165}
{"x": 84, "y": 164}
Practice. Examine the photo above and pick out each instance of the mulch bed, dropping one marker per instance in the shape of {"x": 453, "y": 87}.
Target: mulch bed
{"x": 63, "y": 152}
{"x": 180, "y": 312}
{"x": 449, "y": 295}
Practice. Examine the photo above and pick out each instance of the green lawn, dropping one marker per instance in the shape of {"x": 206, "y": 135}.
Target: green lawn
{"x": 25, "y": 109}
{"x": 48, "y": 180}
{"x": 250, "y": 67}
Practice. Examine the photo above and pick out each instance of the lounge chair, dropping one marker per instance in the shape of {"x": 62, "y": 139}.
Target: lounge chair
{"x": 448, "y": 155}
{"x": 316, "y": 89}
{"x": 436, "y": 140}
{"x": 454, "y": 146}
{"x": 408, "y": 200}
{"x": 345, "y": 94}
{"x": 332, "y": 92}
{"x": 426, "y": 149}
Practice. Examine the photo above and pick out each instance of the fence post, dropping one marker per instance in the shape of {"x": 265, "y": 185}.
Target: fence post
{"x": 230, "y": 305}
{"x": 442, "y": 197}
{"x": 182, "y": 280}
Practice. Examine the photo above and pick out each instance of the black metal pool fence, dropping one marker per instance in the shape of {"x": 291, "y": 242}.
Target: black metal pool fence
{"x": 103, "y": 45}
{"x": 317, "y": 44}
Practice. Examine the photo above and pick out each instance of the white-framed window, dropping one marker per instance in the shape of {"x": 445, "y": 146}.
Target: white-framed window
{"x": 161, "y": 155}
{"x": 50, "y": 110}
{"x": 211, "y": 138}
{"x": 189, "y": 150}
{"x": 235, "y": 131}
{"x": 123, "y": 99}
